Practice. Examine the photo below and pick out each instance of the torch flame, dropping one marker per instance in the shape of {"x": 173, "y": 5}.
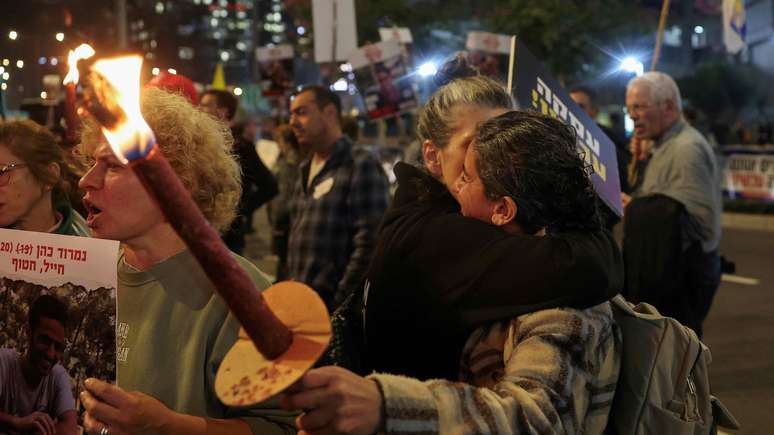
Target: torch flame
{"x": 84, "y": 51}
{"x": 130, "y": 137}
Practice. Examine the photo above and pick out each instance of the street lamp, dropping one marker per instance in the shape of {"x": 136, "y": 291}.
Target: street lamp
{"x": 632, "y": 65}
{"x": 12, "y": 35}
{"x": 428, "y": 69}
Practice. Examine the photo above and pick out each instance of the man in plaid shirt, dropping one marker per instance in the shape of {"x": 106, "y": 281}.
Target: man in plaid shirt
{"x": 338, "y": 202}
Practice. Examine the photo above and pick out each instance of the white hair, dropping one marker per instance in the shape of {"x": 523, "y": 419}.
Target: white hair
{"x": 662, "y": 88}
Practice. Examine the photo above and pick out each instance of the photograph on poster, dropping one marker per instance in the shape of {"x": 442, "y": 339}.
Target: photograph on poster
{"x": 58, "y": 305}
{"x": 382, "y": 80}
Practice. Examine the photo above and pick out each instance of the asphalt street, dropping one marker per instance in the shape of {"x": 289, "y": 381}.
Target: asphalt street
{"x": 739, "y": 332}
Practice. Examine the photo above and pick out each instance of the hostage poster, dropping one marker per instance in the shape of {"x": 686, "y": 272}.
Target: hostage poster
{"x": 56, "y": 274}
{"x": 276, "y": 67}
{"x": 381, "y": 78}
{"x": 489, "y": 52}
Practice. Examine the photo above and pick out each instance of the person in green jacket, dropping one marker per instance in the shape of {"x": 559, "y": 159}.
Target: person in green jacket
{"x": 172, "y": 328}
{"x": 33, "y": 186}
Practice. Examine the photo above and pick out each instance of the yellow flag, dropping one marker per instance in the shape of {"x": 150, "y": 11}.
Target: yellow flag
{"x": 219, "y": 80}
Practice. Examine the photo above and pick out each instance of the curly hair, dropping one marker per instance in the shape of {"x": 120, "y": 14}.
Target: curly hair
{"x": 198, "y": 147}
{"x": 37, "y": 147}
{"x": 534, "y": 159}
{"x": 461, "y": 85}
{"x": 50, "y": 307}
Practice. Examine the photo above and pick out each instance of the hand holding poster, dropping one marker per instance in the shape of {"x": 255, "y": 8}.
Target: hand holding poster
{"x": 81, "y": 273}
{"x": 381, "y": 78}
{"x": 536, "y": 89}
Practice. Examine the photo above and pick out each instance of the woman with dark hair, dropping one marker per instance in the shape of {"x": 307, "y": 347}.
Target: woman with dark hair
{"x": 33, "y": 182}
{"x": 445, "y": 290}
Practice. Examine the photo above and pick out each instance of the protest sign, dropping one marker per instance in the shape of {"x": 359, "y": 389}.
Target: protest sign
{"x": 536, "y": 89}
{"x": 400, "y": 34}
{"x": 488, "y": 52}
{"x": 335, "y": 33}
{"x": 381, "y": 78}
{"x": 749, "y": 176}
{"x": 79, "y": 271}
{"x": 276, "y": 67}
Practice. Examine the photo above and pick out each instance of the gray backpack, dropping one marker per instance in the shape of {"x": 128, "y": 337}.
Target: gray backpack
{"x": 664, "y": 386}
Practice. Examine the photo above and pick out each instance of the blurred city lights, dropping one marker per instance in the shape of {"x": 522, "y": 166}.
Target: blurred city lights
{"x": 4, "y": 86}
{"x": 19, "y": 63}
{"x": 698, "y": 30}
{"x": 301, "y": 30}
{"x": 345, "y": 67}
{"x": 6, "y": 62}
{"x": 42, "y": 60}
{"x": 44, "y": 95}
{"x": 340, "y": 85}
{"x": 2, "y": 70}
{"x": 237, "y": 91}
{"x": 12, "y": 35}
{"x": 6, "y": 76}
{"x": 172, "y": 71}
{"x": 428, "y": 69}
{"x": 60, "y": 36}
{"x": 155, "y": 71}
{"x": 54, "y": 61}
{"x": 224, "y": 56}
{"x": 632, "y": 65}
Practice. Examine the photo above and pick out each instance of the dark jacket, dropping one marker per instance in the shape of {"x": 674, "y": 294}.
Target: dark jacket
{"x": 258, "y": 183}
{"x": 437, "y": 275}
{"x": 676, "y": 277}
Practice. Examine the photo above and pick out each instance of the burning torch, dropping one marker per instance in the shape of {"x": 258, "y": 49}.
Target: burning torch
{"x": 84, "y": 51}
{"x": 285, "y": 329}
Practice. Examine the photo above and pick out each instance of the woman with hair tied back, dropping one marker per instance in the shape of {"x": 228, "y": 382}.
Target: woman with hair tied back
{"x": 486, "y": 304}
{"x": 34, "y": 192}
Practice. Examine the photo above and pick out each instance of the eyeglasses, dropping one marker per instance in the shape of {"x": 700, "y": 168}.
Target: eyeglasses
{"x": 640, "y": 108}
{"x": 5, "y": 172}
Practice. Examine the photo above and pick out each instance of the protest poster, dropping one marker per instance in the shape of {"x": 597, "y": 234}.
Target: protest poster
{"x": 381, "y": 78}
{"x": 335, "y": 31}
{"x": 749, "y": 176}
{"x": 275, "y": 64}
{"x": 400, "y": 34}
{"x": 536, "y": 89}
{"x": 79, "y": 271}
{"x": 488, "y": 52}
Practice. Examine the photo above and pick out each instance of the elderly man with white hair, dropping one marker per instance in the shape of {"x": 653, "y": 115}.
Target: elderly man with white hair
{"x": 677, "y": 167}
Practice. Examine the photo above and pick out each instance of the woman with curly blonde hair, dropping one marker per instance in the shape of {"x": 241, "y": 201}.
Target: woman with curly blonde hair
{"x": 173, "y": 329}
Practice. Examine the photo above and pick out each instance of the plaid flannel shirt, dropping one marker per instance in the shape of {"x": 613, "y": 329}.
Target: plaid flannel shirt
{"x": 548, "y": 372}
{"x": 334, "y": 221}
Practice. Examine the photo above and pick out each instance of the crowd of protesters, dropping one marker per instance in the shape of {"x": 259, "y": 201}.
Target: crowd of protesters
{"x": 479, "y": 292}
